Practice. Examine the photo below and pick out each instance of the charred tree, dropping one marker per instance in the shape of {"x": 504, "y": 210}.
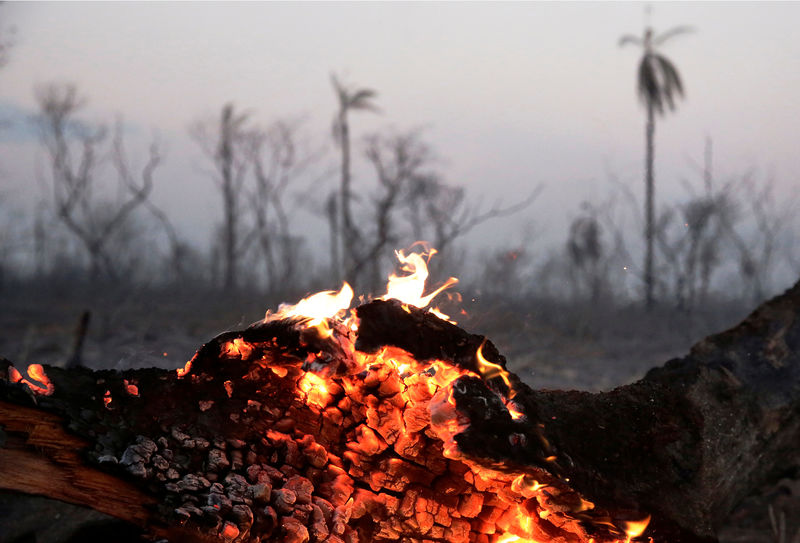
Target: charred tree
{"x": 409, "y": 429}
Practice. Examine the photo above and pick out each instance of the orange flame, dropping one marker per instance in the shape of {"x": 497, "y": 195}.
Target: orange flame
{"x": 635, "y": 528}
{"x": 317, "y": 308}
{"x": 182, "y": 372}
{"x": 409, "y": 288}
{"x": 490, "y": 370}
{"x": 424, "y": 388}
{"x": 526, "y": 485}
{"x": 515, "y": 413}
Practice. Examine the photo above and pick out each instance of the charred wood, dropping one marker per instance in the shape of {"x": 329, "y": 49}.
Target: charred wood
{"x": 245, "y": 445}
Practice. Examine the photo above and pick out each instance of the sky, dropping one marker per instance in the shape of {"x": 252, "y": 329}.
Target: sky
{"x": 509, "y": 95}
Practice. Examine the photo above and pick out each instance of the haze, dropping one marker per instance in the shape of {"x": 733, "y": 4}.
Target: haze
{"x": 509, "y": 95}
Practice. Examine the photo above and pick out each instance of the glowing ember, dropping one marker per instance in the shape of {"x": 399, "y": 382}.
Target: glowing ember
{"x": 315, "y": 390}
{"x": 131, "y": 389}
{"x": 388, "y": 421}
{"x": 237, "y": 348}
{"x": 182, "y": 372}
{"x": 229, "y": 532}
{"x": 511, "y": 538}
{"x": 40, "y": 383}
{"x": 107, "y": 399}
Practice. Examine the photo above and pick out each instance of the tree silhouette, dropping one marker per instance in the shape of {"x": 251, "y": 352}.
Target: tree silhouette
{"x": 659, "y": 85}
{"x": 75, "y": 152}
{"x": 349, "y": 99}
{"x": 225, "y": 143}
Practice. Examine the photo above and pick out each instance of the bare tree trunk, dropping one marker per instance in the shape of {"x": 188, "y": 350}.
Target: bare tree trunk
{"x": 230, "y": 240}
{"x": 347, "y": 232}
{"x": 649, "y": 207}
{"x": 228, "y": 196}
{"x": 39, "y": 243}
{"x": 333, "y": 224}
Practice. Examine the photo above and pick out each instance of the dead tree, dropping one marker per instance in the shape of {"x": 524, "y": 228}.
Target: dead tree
{"x": 585, "y": 250}
{"x": 279, "y": 158}
{"x": 349, "y": 100}
{"x": 448, "y": 213}
{"x": 76, "y": 194}
{"x": 178, "y": 248}
{"x": 409, "y": 430}
{"x": 225, "y": 144}
{"x": 399, "y": 161}
{"x": 757, "y": 245}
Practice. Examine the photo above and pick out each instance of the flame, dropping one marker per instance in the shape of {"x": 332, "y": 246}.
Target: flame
{"x": 182, "y": 372}
{"x": 107, "y": 399}
{"x": 515, "y": 413}
{"x": 41, "y": 384}
{"x": 526, "y": 485}
{"x": 316, "y": 309}
{"x": 635, "y": 528}
{"x": 409, "y": 288}
{"x": 399, "y": 399}
{"x": 490, "y": 370}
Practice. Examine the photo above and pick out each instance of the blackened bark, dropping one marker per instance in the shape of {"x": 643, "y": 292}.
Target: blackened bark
{"x": 684, "y": 444}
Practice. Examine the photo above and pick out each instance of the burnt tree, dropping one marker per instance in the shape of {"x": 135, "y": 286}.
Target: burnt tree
{"x": 399, "y": 432}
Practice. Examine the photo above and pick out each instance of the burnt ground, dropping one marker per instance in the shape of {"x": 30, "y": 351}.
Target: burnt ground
{"x": 548, "y": 344}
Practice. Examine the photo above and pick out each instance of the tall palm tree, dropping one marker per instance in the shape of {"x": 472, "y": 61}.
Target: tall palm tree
{"x": 659, "y": 84}
{"x": 349, "y": 99}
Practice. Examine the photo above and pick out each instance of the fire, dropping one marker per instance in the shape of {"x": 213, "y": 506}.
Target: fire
{"x": 526, "y": 486}
{"x": 229, "y": 532}
{"x": 635, "y": 528}
{"x": 390, "y": 407}
{"x": 511, "y": 538}
{"x": 182, "y": 372}
{"x": 490, "y": 370}
{"x": 515, "y": 413}
{"x": 41, "y": 383}
{"x": 314, "y": 388}
{"x": 237, "y": 348}
{"x": 317, "y": 309}
{"x": 130, "y": 388}
{"x": 409, "y": 288}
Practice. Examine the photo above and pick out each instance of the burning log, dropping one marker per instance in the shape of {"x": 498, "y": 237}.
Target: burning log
{"x": 397, "y": 425}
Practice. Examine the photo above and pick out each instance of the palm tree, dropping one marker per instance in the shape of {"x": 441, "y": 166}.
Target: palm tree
{"x": 349, "y": 99}
{"x": 658, "y": 87}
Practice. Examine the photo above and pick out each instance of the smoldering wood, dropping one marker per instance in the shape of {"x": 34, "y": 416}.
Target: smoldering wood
{"x": 229, "y": 452}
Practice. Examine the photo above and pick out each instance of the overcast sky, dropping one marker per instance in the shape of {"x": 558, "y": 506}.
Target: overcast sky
{"x": 509, "y": 94}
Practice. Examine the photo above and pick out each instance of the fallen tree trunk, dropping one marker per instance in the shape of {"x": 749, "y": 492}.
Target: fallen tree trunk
{"x": 276, "y": 434}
